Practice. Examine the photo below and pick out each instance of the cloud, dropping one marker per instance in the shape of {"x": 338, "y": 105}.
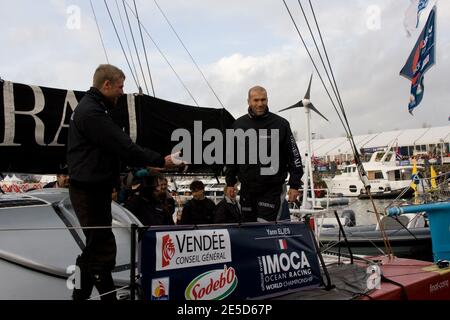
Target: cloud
{"x": 239, "y": 44}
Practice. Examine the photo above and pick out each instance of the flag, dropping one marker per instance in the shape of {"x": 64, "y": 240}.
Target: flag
{"x": 314, "y": 159}
{"x": 414, "y": 176}
{"x": 398, "y": 156}
{"x": 282, "y": 243}
{"x": 433, "y": 178}
{"x": 412, "y": 15}
{"x": 420, "y": 60}
{"x": 415, "y": 181}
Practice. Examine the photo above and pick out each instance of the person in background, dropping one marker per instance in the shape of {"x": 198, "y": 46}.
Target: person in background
{"x": 166, "y": 198}
{"x": 62, "y": 181}
{"x": 198, "y": 210}
{"x": 147, "y": 202}
{"x": 228, "y": 210}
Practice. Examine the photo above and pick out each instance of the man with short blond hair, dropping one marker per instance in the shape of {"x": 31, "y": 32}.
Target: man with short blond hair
{"x": 96, "y": 145}
{"x": 106, "y": 72}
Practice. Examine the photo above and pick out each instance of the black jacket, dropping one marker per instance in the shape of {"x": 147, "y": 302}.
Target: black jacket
{"x": 151, "y": 212}
{"x": 290, "y": 161}
{"x": 198, "y": 212}
{"x": 227, "y": 212}
{"x": 168, "y": 203}
{"x": 96, "y": 144}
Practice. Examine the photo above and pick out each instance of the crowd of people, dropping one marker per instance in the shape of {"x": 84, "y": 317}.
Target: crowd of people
{"x": 148, "y": 197}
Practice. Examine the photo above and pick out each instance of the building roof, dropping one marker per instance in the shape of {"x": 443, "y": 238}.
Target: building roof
{"x": 407, "y": 137}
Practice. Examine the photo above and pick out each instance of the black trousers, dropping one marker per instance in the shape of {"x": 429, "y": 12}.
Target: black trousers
{"x": 266, "y": 205}
{"x": 92, "y": 206}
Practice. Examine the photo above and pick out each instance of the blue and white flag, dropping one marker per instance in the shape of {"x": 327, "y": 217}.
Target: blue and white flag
{"x": 412, "y": 15}
{"x": 422, "y": 57}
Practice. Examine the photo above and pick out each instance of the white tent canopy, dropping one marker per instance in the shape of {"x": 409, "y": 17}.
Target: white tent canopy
{"x": 441, "y": 134}
{"x": 339, "y": 146}
{"x": 15, "y": 179}
{"x": 7, "y": 179}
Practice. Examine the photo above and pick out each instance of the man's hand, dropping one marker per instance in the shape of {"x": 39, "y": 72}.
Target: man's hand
{"x": 293, "y": 195}
{"x": 173, "y": 161}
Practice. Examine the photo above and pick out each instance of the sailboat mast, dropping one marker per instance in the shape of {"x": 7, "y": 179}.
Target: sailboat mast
{"x": 309, "y": 183}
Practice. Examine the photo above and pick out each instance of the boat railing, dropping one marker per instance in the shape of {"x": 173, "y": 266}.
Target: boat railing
{"x": 313, "y": 204}
{"x": 317, "y": 209}
{"x": 432, "y": 189}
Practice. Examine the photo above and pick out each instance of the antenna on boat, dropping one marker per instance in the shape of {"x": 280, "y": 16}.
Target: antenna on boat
{"x": 388, "y": 148}
{"x": 307, "y": 104}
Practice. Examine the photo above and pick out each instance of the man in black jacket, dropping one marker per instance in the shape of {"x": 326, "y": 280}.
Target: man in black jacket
{"x": 94, "y": 150}
{"x": 149, "y": 204}
{"x": 228, "y": 210}
{"x": 62, "y": 181}
{"x": 198, "y": 210}
{"x": 263, "y": 185}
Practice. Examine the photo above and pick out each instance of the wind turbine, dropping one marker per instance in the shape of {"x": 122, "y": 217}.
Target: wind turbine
{"x": 306, "y": 103}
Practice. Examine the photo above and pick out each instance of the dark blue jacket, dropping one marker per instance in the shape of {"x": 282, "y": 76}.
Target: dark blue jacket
{"x": 96, "y": 144}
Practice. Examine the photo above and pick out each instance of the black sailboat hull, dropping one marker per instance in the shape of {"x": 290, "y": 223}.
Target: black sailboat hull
{"x": 365, "y": 240}
{"x": 388, "y": 194}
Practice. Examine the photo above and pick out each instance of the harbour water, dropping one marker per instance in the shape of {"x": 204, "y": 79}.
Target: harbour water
{"x": 364, "y": 211}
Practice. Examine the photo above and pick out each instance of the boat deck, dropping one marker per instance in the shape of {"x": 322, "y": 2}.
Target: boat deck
{"x": 412, "y": 280}
{"x": 402, "y": 279}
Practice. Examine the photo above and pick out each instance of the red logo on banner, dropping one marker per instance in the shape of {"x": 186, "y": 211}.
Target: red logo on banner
{"x": 160, "y": 290}
{"x": 168, "y": 250}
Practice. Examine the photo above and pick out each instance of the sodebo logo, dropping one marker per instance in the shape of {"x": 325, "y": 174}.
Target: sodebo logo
{"x": 212, "y": 285}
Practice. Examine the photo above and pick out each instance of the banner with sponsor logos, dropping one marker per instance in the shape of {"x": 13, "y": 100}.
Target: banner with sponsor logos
{"x": 34, "y": 123}
{"x": 237, "y": 262}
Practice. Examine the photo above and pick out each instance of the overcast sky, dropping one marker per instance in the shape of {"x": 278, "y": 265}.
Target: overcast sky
{"x": 238, "y": 44}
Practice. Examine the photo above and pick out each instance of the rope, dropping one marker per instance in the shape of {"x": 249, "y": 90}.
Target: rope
{"x": 337, "y": 93}
{"x": 143, "y": 45}
{"x": 387, "y": 244}
{"x": 99, "y": 32}
{"x": 346, "y": 125}
{"x": 120, "y": 42}
{"x": 109, "y": 292}
{"x": 135, "y": 47}
{"x": 188, "y": 52}
{"x": 165, "y": 58}
{"x": 128, "y": 44}
{"x": 315, "y": 66}
{"x": 317, "y": 47}
{"x": 63, "y": 228}
{"x": 335, "y": 243}
{"x": 326, "y": 53}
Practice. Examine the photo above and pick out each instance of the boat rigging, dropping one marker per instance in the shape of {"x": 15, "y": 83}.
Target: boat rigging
{"x": 342, "y": 115}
